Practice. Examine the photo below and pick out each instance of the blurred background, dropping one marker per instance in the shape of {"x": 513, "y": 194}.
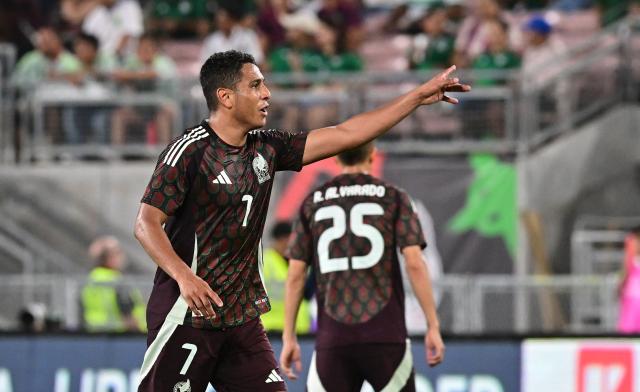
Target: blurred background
{"x": 528, "y": 190}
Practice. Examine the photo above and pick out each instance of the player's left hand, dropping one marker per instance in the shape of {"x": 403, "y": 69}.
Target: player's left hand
{"x": 434, "y": 347}
{"x": 436, "y": 89}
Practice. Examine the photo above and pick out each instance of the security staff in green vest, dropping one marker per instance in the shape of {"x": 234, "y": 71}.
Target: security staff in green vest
{"x": 107, "y": 306}
{"x": 275, "y": 275}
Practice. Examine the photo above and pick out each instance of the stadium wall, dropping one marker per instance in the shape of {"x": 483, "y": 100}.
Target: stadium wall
{"x": 111, "y": 364}
{"x": 591, "y": 171}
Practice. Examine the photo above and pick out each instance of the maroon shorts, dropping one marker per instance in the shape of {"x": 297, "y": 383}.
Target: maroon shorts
{"x": 182, "y": 358}
{"x": 383, "y": 365}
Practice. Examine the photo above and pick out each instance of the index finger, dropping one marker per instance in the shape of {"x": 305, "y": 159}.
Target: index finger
{"x": 445, "y": 74}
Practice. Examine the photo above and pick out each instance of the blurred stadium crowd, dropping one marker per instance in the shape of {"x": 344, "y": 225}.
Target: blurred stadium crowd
{"x": 148, "y": 46}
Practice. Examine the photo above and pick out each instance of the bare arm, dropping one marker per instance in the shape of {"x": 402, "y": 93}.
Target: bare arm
{"x": 149, "y": 232}
{"x": 294, "y": 290}
{"x": 421, "y": 284}
{"x": 357, "y": 130}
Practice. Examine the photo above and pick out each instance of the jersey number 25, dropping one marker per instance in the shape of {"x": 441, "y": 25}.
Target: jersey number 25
{"x": 357, "y": 227}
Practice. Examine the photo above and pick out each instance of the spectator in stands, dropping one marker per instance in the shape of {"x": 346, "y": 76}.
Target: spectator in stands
{"x": 180, "y": 18}
{"x": 300, "y": 53}
{"x": 47, "y": 62}
{"x": 107, "y": 305}
{"x": 433, "y": 47}
{"x": 147, "y": 71}
{"x": 498, "y": 55}
{"x": 275, "y": 275}
{"x": 269, "y": 15}
{"x": 230, "y": 34}
{"x": 474, "y": 34}
{"x": 344, "y": 17}
{"x": 93, "y": 68}
{"x": 116, "y": 23}
{"x": 542, "y": 63}
{"x": 336, "y": 61}
{"x": 629, "y": 289}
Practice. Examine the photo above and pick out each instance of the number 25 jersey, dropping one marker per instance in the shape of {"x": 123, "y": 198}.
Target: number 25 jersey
{"x": 348, "y": 230}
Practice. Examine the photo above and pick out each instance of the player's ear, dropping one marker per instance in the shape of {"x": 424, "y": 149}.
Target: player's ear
{"x": 225, "y": 97}
{"x": 372, "y": 156}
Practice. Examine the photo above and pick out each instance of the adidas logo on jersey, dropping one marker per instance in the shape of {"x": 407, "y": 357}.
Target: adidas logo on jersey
{"x": 273, "y": 377}
{"x": 223, "y": 178}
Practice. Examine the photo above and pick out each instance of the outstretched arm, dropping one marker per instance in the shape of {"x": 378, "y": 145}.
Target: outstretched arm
{"x": 421, "y": 283}
{"x": 357, "y": 130}
{"x": 195, "y": 291}
{"x": 294, "y": 290}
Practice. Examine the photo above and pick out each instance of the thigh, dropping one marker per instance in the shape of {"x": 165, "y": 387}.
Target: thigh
{"x": 179, "y": 358}
{"x": 247, "y": 362}
{"x": 387, "y": 367}
{"x": 333, "y": 369}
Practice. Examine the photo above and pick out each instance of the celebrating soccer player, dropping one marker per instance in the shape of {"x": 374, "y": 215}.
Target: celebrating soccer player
{"x": 202, "y": 216}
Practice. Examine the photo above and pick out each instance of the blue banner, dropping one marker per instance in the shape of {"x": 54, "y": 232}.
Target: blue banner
{"x": 111, "y": 363}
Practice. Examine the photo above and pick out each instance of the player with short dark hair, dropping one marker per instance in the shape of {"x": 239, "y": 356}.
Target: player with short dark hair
{"x": 348, "y": 230}
{"x": 202, "y": 216}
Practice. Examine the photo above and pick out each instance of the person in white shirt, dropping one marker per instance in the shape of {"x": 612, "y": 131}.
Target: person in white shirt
{"x": 117, "y": 24}
{"x": 231, "y": 35}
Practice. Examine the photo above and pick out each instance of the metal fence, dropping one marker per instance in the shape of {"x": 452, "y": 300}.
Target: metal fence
{"x": 506, "y": 110}
{"x": 469, "y": 304}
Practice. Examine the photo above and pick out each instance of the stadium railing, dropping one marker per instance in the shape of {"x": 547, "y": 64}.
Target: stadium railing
{"x": 505, "y": 112}
{"x": 469, "y": 304}
{"x": 7, "y": 63}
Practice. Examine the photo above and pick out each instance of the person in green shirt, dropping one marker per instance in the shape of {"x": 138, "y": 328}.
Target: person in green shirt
{"x": 147, "y": 71}
{"x": 47, "y": 62}
{"x": 88, "y": 123}
{"x": 434, "y": 47}
{"x": 498, "y": 55}
{"x": 347, "y": 60}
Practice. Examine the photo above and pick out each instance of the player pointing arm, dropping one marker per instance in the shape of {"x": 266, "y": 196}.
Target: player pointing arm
{"x": 202, "y": 217}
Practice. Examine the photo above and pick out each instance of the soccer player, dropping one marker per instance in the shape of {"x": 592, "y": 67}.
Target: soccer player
{"x": 349, "y": 230}
{"x": 202, "y": 216}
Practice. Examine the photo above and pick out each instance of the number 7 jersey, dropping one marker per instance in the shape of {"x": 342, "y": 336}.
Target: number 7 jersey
{"x": 348, "y": 230}
{"x": 216, "y": 198}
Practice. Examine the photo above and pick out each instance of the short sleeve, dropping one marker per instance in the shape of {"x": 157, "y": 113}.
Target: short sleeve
{"x": 300, "y": 244}
{"x": 169, "y": 184}
{"x": 407, "y": 225}
{"x": 289, "y": 148}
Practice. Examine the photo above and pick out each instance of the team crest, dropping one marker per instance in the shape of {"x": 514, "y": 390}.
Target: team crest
{"x": 182, "y": 386}
{"x": 261, "y": 168}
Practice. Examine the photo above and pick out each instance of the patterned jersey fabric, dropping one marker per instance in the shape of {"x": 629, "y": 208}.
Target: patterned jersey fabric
{"x": 216, "y": 196}
{"x": 349, "y": 230}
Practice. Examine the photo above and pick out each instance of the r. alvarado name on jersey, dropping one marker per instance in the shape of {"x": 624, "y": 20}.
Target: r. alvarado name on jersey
{"x": 349, "y": 190}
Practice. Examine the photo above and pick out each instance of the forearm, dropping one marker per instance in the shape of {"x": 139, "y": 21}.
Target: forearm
{"x": 155, "y": 242}
{"x": 294, "y": 290}
{"x": 422, "y": 288}
{"x": 359, "y": 129}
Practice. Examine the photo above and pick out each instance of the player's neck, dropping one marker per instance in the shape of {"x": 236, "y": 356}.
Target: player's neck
{"x": 227, "y": 129}
{"x": 357, "y": 169}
